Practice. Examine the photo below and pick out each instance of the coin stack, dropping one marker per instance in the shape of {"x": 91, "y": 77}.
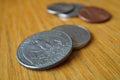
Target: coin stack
{"x": 46, "y": 49}
{"x": 87, "y": 13}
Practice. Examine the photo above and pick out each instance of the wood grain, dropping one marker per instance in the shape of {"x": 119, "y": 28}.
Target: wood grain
{"x": 100, "y": 60}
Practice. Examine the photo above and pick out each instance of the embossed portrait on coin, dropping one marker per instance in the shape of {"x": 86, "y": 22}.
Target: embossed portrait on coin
{"x": 39, "y": 51}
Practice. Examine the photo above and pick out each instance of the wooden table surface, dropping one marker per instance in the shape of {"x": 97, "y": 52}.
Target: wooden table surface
{"x": 99, "y": 60}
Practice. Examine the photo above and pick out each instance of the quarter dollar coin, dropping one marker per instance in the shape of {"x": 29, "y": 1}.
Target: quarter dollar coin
{"x": 44, "y": 50}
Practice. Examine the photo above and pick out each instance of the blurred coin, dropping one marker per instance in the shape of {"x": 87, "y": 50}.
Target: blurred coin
{"x": 80, "y": 35}
{"x": 72, "y": 13}
{"x": 44, "y": 50}
{"x": 60, "y": 8}
{"x": 94, "y": 14}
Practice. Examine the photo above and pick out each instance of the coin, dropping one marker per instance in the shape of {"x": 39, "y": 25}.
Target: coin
{"x": 60, "y": 8}
{"x": 94, "y": 14}
{"x": 72, "y": 13}
{"x": 44, "y": 50}
{"x": 80, "y": 35}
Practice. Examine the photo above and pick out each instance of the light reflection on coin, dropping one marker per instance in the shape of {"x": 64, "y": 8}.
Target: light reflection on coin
{"x": 80, "y": 35}
{"x": 44, "y": 50}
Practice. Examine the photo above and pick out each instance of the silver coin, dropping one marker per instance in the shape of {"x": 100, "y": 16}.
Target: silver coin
{"x": 60, "y": 8}
{"x": 72, "y": 13}
{"x": 44, "y": 50}
{"x": 80, "y": 35}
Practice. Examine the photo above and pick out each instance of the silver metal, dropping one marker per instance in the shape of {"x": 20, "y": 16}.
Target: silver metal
{"x": 80, "y": 35}
{"x": 60, "y": 8}
{"x": 72, "y": 13}
{"x": 44, "y": 50}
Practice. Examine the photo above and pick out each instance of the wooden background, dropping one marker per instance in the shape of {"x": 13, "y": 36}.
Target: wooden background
{"x": 100, "y": 60}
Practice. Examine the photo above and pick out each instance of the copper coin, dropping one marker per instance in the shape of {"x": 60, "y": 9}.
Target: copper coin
{"x": 94, "y": 14}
